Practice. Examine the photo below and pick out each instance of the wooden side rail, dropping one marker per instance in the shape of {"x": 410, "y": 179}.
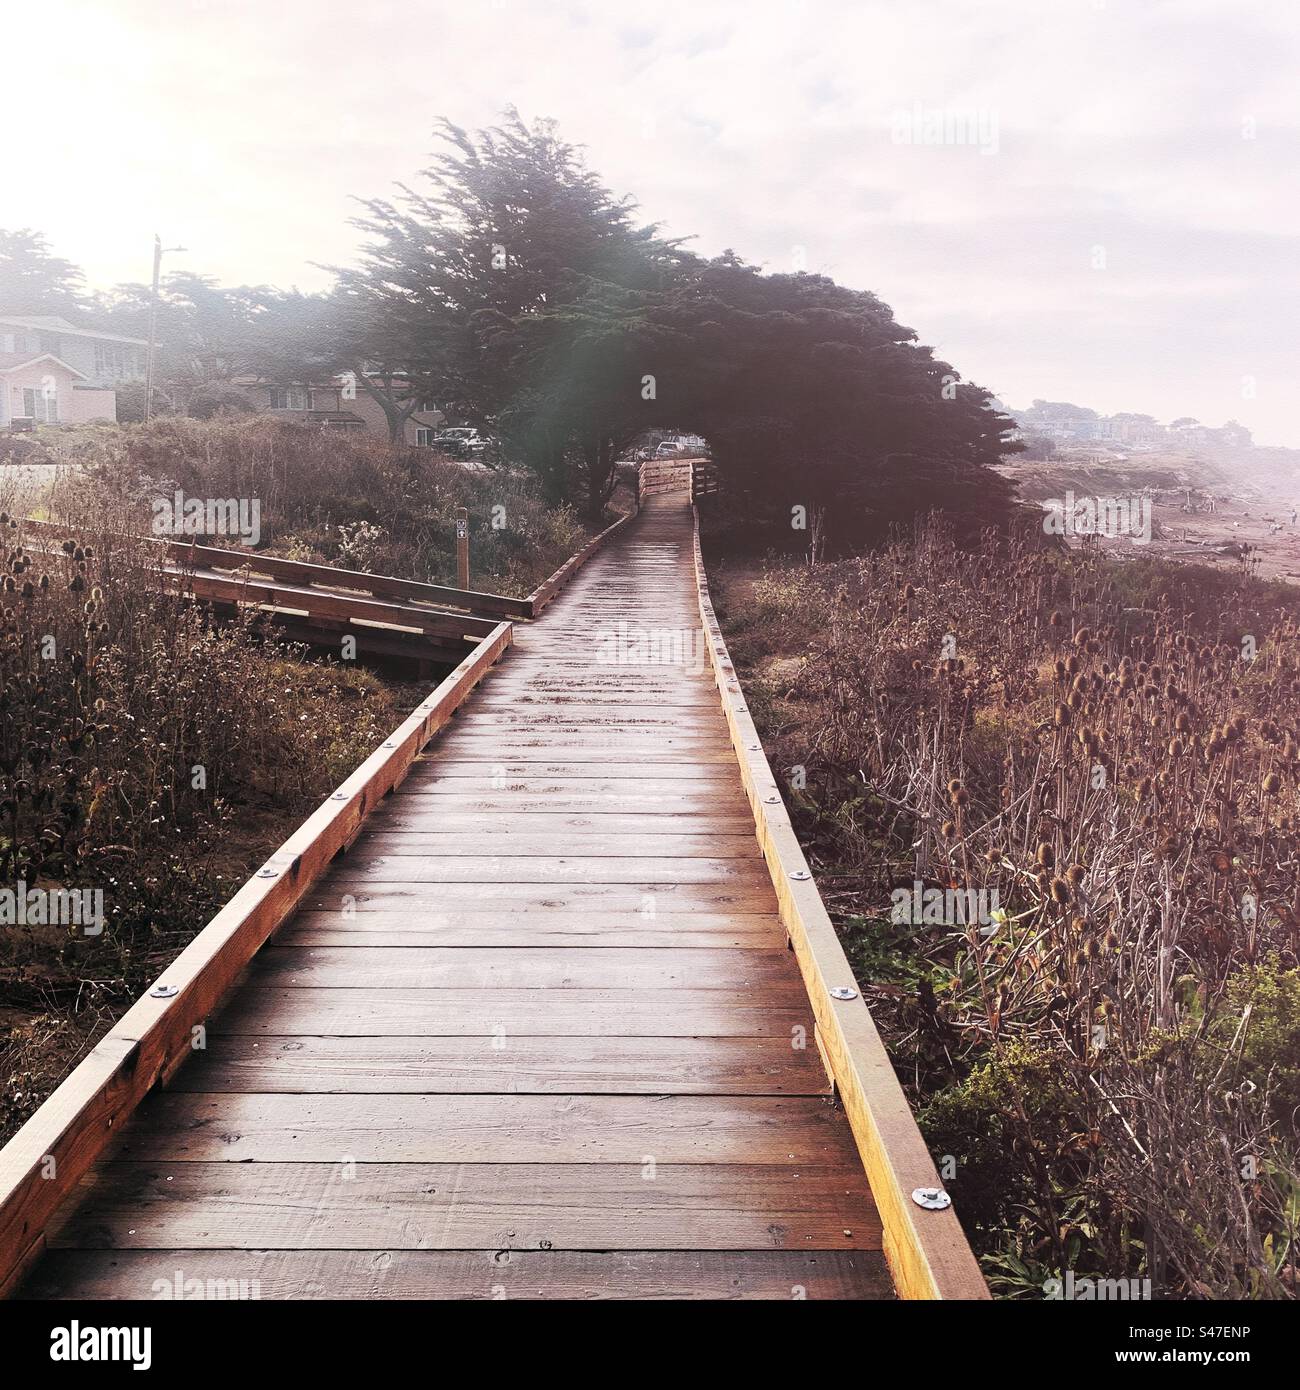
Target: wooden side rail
{"x": 43, "y": 1163}
{"x": 664, "y": 475}
{"x": 192, "y": 555}
{"x": 704, "y": 479}
{"x": 927, "y": 1251}
{"x": 243, "y": 588}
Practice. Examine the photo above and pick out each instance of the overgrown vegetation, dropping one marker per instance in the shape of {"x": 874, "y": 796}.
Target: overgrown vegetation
{"x": 146, "y": 754}
{"x": 1105, "y": 1063}
{"x": 336, "y": 498}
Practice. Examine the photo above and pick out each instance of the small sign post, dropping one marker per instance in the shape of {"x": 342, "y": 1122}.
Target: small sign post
{"x": 462, "y": 547}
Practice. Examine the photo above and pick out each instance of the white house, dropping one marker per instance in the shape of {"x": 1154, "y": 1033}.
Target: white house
{"x": 52, "y": 372}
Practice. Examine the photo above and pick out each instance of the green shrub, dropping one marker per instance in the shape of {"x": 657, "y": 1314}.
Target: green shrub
{"x": 1269, "y": 1045}
{"x": 1012, "y": 1117}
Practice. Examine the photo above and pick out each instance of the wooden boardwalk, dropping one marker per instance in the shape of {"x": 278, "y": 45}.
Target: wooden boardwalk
{"x": 537, "y": 1034}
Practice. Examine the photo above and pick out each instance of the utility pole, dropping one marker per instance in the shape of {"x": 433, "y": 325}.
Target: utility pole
{"x": 158, "y": 252}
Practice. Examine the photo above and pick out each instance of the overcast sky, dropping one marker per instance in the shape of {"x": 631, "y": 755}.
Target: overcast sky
{"x": 1110, "y": 214}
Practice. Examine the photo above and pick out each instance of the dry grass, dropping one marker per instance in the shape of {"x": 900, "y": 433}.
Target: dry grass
{"x": 333, "y": 497}
{"x": 1110, "y": 1064}
{"x": 144, "y": 753}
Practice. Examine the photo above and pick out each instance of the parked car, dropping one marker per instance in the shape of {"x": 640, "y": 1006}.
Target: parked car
{"x": 460, "y": 442}
{"x": 669, "y": 449}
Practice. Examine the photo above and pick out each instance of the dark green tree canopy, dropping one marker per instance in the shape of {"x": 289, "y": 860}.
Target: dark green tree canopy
{"x": 527, "y": 291}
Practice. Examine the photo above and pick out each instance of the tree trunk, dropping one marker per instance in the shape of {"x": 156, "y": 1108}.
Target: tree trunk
{"x": 599, "y": 455}
{"x": 395, "y": 413}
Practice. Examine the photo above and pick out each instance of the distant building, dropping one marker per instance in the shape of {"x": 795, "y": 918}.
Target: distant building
{"x": 1076, "y": 424}
{"x": 338, "y": 403}
{"x": 52, "y": 372}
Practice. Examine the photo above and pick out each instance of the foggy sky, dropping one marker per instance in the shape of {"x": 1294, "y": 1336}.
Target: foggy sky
{"x": 1110, "y": 216}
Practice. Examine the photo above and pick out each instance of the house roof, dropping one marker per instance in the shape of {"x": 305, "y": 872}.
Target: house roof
{"x": 51, "y": 323}
{"x": 16, "y": 361}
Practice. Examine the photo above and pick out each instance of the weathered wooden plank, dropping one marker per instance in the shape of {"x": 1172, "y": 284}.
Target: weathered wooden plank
{"x": 430, "y": 843}
{"x": 601, "y": 748}
{"x": 575, "y": 793}
{"x": 540, "y": 928}
{"x": 363, "y": 1128}
{"x": 579, "y": 1013}
{"x": 400, "y": 818}
{"x": 420, "y": 1206}
{"x": 327, "y": 604}
{"x": 547, "y": 590}
{"x": 363, "y": 966}
{"x": 489, "y": 773}
{"x": 191, "y": 555}
{"x": 462, "y": 1274}
{"x": 570, "y": 714}
{"x": 505, "y": 1065}
{"x": 550, "y": 870}
{"x": 647, "y": 900}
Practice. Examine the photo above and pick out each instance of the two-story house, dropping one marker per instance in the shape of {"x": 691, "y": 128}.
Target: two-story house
{"x": 337, "y": 403}
{"x": 52, "y": 372}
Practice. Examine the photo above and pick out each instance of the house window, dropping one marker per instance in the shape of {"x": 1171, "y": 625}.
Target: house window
{"x": 40, "y": 405}
{"x": 114, "y": 362}
{"x": 288, "y": 398}
{"x": 424, "y": 438}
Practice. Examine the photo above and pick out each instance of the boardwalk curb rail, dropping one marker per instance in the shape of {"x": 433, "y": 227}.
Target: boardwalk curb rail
{"x": 42, "y": 1164}
{"x": 325, "y": 581}
{"x": 341, "y": 593}
{"x": 928, "y": 1253}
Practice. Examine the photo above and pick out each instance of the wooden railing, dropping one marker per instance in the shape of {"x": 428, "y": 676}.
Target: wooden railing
{"x": 704, "y": 479}
{"x": 322, "y": 579}
{"x": 334, "y": 598}
{"x": 663, "y": 475}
